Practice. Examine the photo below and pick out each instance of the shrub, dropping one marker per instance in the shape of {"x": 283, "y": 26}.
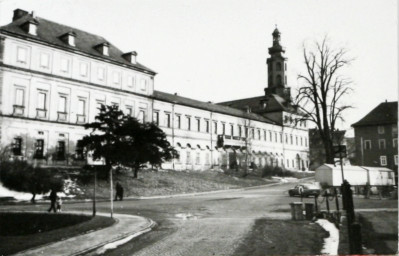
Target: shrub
{"x": 22, "y": 177}
{"x": 269, "y": 171}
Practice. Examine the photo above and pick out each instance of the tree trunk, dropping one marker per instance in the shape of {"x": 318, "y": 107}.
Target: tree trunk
{"x": 33, "y": 198}
{"x": 328, "y": 147}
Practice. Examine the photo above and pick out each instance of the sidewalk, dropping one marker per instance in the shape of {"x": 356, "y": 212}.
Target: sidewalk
{"x": 126, "y": 225}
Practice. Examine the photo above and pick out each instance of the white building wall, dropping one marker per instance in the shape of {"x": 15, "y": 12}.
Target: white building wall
{"x": 79, "y": 77}
{"x": 203, "y": 142}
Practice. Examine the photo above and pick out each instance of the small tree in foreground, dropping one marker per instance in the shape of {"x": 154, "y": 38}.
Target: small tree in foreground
{"x": 23, "y": 177}
{"x": 122, "y": 140}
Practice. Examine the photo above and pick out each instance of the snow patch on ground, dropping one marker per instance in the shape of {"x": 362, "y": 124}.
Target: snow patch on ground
{"x": 284, "y": 179}
{"x": 21, "y": 196}
{"x": 331, "y": 243}
{"x": 115, "y": 244}
{"x": 70, "y": 190}
{"x": 185, "y": 216}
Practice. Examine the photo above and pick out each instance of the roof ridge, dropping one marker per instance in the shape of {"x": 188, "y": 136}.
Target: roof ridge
{"x": 230, "y": 101}
{"x": 383, "y": 113}
{"x": 219, "y": 107}
{"x": 49, "y": 32}
{"x": 72, "y": 28}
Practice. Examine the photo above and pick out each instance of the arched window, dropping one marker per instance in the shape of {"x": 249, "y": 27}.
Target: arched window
{"x": 278, "y": 66}
{"x": 285, "y": 66}
{"x": 279, "y": 82}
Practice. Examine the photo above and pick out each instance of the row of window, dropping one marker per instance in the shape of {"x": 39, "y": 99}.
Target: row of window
{"x": 384, "y": 162}
{"x": 80, "y": 154}
{"x": 38, "y": 150}
{"x": 279, "y": 80}
{"x": 381, "y": 129}
{"x": 381, "y": 144}
{"x": 290, "y": 163}
{"x": 296, "y": 121}
{"x": 63, "y": 102}
{"x": 227, "y": 129}
{"x": 278, "y": 66}
{"x": 84, "y": 69}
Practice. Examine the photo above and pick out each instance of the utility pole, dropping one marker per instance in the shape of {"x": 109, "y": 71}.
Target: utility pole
{"x": 173, "y": 132}
{"x": 94, "y": 192}
{"x": 111, "y": 192}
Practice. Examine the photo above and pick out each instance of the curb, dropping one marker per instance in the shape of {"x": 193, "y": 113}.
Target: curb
{"x": 148, "y": 227}
{"x": 136, "y": 233}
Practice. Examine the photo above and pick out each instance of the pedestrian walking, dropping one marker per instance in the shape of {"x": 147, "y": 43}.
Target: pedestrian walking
{"x": 53, "y": 199}
{"x": 119, "y": 192}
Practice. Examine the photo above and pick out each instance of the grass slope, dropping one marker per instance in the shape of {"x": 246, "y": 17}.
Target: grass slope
{"x": 170, "y": 182}
{"x": 282, "y": 237}
{"x": 21, "y": 231}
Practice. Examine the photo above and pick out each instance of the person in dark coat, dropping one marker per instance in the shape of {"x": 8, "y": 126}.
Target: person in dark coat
{"x": 53, "y": 200}
{"x": 119, "y": 192}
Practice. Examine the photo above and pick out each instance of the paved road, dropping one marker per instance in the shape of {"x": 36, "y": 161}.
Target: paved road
{"x": 212, "y": 224}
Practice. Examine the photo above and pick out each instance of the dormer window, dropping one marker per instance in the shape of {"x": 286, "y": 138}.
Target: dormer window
{"x": 103, "y": 48}
{"x": 30, "y": 27}
{"x": 69, "y": 38}
{"x": 130, "y": 56}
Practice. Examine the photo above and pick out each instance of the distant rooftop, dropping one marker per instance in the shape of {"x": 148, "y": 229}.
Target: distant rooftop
{"x": 274, "y": 103}
{"x": 173, "y": 98}
{"x": 384, "y": 113}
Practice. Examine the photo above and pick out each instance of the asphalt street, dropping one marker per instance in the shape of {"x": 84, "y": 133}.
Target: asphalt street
{"x": 211, "y": 224}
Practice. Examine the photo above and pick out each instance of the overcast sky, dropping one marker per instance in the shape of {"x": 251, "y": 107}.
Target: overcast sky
{"x": 216, "y": 50}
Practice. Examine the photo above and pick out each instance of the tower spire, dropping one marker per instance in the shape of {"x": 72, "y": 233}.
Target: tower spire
{"x": 276, "y": 37}
{"x": 276, "y": 66}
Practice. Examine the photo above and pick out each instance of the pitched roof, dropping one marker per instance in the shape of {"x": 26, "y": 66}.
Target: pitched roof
{"x": 50, "y": 32}
{"x": 384, "y": 113}
{"x": 274, "y": 103}
{"x": 253, "y": 103}
{"x": 172, "y": 98}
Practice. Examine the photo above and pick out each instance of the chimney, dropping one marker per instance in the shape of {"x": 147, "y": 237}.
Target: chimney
{"x": 131, "y": 57}
{"x": 18, "y": 13}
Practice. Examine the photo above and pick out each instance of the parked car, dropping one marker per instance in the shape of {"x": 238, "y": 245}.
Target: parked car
{"x": 305, "y": 190}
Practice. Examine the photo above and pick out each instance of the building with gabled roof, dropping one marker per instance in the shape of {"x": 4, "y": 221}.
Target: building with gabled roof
{"x": 54, "y": 78}
{"x": 376, "y": 137}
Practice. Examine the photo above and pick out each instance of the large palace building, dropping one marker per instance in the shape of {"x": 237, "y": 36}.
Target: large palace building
{"x": 53, "y": 78}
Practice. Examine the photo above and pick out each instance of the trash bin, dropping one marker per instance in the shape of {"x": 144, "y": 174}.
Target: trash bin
{"x": 309, "y": 211}
{"x": 297, "y": 210}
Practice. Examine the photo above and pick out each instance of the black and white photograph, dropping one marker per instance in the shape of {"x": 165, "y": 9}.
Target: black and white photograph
{"x": 199, "y": 127}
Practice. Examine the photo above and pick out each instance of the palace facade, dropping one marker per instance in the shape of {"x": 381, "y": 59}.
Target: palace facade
{"x": 53, "y": 78}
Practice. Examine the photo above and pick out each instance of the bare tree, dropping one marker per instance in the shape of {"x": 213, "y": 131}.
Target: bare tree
{"x": 323, "y": 90}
